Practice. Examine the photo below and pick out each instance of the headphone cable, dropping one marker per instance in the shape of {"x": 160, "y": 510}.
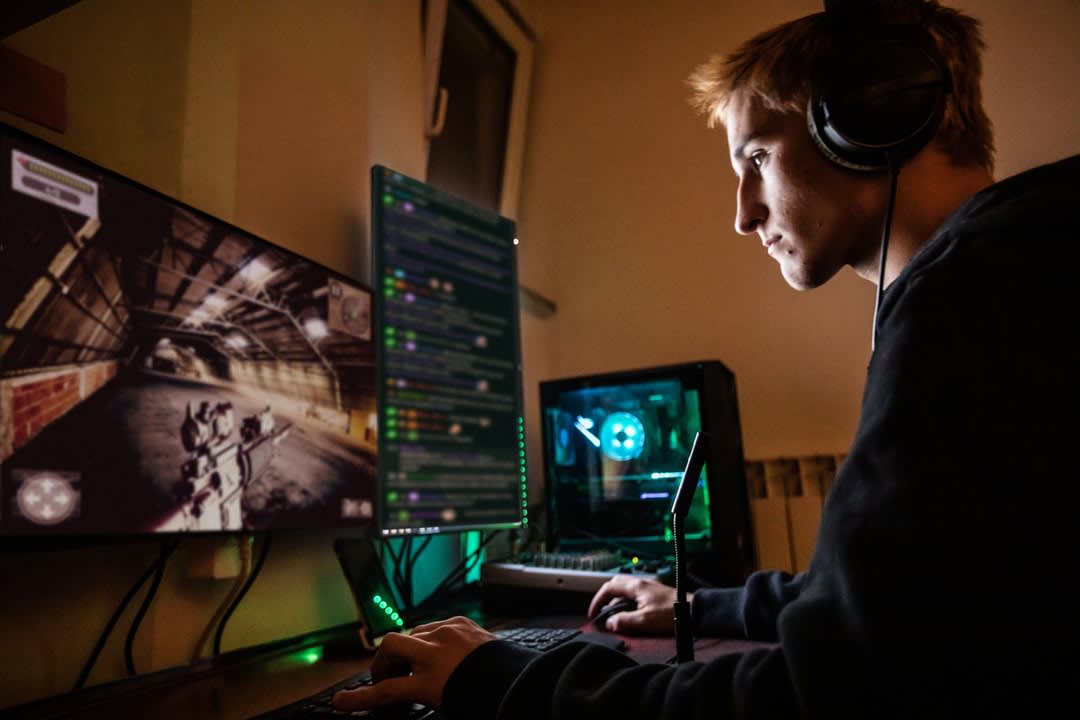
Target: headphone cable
{"x": 894, "y": 174}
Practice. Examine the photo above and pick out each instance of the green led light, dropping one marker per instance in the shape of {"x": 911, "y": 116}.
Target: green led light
{"x": 389, "y": 610}
{"x": 391, "y": 435}
{"x": 377, "y": 599}
{"x": 388, "y": 292}
{"x": 388, "y": 281}
{"x": 310, "y": 656}
{"x": 388, "y": 199}
{"x": 394, "y": 616}
{"x": 382, "y": 604}
{"x": 524, "y": 521}
{"x": 400, "y": 622}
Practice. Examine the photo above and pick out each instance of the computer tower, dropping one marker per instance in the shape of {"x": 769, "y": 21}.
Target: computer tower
{"x": 614, "y": 447}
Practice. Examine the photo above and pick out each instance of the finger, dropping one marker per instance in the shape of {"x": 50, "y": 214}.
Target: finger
{"x": 626, "y": 621}
{"x": 396, "y": 656}
{"x": 616, "y": 587}
{"x": 388, "y": 692}
{"x": 606, "y": 592}
{"x": 643, "y": 621}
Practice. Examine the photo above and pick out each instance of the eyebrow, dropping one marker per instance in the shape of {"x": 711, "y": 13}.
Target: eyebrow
{"x": 768, "y": 127}
{"x": 741, "y": 147}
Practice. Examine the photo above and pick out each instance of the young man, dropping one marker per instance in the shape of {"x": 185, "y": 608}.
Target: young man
{"x": 940, "y": 582}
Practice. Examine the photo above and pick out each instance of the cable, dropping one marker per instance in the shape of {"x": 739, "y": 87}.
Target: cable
{"x": 461, "y": 569}
{"x": 398, "y": 581}
{"x": 410, "y": 563}
{"x": 100, "y": 644}
{"x": 167, "y": 549}
{"x": 894, "y": 174}
{"x": 229, "y": 599}
{"x": 406, "y": 571}
{"x": 240, "y": 595}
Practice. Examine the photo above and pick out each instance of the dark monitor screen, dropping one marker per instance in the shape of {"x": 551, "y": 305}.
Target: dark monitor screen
{"x": 615, "y": 448}
{"x": 164, "y": 371}
{"x": 451, "y": 429}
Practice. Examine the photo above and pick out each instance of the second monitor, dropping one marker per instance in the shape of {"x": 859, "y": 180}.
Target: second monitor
{"x": 451, "y": 427}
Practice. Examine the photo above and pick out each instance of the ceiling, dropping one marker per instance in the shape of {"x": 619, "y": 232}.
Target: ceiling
{"x": 18, "y": 14}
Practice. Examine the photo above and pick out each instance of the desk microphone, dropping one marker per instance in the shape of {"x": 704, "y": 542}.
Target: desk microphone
{"x": 684, "y": 638}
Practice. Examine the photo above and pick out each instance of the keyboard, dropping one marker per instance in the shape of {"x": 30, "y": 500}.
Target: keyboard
{"x": 528, "y": 575}
{"x": 538, "y": 638}
{"x": 318, "y": 705}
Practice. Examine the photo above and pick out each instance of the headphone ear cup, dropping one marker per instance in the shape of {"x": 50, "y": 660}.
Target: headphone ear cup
{"x": 876, "y": 103}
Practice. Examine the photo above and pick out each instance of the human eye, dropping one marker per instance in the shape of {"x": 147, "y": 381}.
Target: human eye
{"x": 757, "y": 159}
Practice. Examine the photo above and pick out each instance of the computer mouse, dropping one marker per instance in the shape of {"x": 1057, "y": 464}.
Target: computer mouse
{"x": 615, "y": 606}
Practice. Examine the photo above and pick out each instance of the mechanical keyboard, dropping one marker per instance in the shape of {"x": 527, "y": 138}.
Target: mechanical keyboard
{"x": 318, "y": 705}
{"x": 573, "y": 579}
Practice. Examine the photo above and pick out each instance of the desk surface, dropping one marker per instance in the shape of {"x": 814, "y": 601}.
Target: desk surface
{"x": 237, "y": 689}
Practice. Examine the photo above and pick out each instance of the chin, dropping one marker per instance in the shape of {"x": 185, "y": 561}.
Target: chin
{"x": 801, "y": 277}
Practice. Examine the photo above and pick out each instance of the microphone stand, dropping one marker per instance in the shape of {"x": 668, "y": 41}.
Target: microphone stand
{"x": 684, "y": 638}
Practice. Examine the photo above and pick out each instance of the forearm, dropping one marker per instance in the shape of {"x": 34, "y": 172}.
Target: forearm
{"x": 749, "y": 611}
{"x": 582, "y": 680}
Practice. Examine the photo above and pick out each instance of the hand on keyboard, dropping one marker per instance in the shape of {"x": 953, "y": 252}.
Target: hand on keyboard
{"x": 414, "y": 668}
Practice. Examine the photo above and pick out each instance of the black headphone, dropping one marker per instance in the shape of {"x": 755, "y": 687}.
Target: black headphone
{"x": 879, "y": 95}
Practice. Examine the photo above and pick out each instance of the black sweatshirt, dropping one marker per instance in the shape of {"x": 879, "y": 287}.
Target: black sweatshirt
{"x": 941, "y": 580}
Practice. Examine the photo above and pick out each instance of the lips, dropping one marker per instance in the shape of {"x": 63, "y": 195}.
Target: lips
{"x": 769, "y": 242}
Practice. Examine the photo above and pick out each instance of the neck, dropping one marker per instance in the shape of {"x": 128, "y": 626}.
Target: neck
{"x": 929, "y": 189}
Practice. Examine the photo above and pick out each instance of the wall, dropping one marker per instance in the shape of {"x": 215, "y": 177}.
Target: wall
{"x": 632, "y": 200}
{"x": 265, "y": 114}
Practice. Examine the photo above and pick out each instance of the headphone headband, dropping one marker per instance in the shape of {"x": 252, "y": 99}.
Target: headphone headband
{"x": 879, "y": 94}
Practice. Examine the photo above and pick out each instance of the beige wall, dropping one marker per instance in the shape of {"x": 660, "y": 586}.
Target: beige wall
{"x": 258, "y": 113}
{"x": 632, "y": 201}
{"x": 269, "y": 115}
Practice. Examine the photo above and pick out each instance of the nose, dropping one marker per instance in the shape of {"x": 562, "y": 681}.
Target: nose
{"x": 750, "y": 212}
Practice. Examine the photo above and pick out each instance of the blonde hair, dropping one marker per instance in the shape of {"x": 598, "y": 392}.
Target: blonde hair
{"x": 777, "y": 67}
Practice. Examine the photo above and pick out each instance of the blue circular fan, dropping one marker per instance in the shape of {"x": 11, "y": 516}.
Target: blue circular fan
{"x": 622, "y": 436}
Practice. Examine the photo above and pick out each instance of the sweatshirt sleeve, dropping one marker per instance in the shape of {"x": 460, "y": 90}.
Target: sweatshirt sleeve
{"x": 586, "y": 680}
{"x": 749, "y": 612}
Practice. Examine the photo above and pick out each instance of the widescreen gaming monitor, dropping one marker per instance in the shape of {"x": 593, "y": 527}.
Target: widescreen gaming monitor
{"x": 615, "y": 447}
{"x": 164, "y": 371}
{"x": 451, "y": 427}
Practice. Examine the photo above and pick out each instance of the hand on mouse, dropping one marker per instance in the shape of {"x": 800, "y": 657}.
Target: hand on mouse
{"x": 415, "y": 667}
{"x": 655, "y": 613}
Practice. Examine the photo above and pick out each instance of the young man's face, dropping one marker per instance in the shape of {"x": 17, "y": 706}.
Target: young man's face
{"x": 812, "y": 216}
